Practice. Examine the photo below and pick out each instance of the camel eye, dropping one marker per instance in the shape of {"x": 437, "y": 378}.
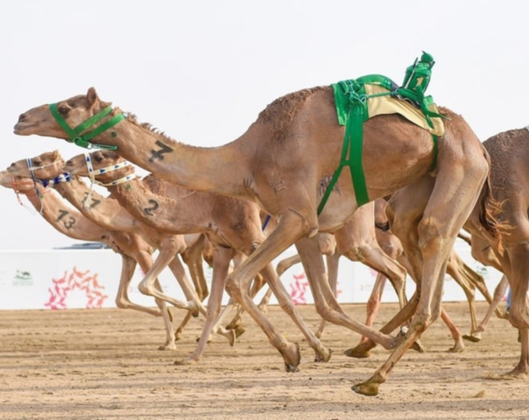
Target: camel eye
{"x": 64, "y": 110}
{"x": 98, "y": 158}
{"x": 36, "y": 162}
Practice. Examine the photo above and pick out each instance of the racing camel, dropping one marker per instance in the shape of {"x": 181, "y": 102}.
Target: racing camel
{"x": 281, "y": 163}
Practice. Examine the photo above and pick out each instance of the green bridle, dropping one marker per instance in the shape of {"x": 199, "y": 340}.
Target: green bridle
{"x": 83, "y": 140}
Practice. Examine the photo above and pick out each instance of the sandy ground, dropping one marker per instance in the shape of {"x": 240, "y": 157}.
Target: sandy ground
{"x": 104, "y": 364}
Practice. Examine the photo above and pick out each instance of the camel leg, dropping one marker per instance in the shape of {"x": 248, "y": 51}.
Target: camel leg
{"x": 326, "y": 304}
{"x": 499, "y": 293}
{"x": 332, "y": 272}
{"x": 264, "y": 301}
{"x": 458, "y": 346}
{"x": 221, "y": 262}
{"x": 236, "y": 322}
{"x": 391, "y": 245}
{"x": 289, "y": 229}
{"x": 192, "y": 256}
{"x": 145, "y": 261}
{"x": 281, "y": 267}
{"x": 190, "y": 293}
{"x": 457, "y": 269}
{"x": 357, "y": 240}
{"x": 373, "y": 303}
{"x": 122, "y": 298}
{"x": 522, "y": 369}
{"x": 517, "y": 249}
{"x": 436, "y": 236}
{"x": 168, "y": 250}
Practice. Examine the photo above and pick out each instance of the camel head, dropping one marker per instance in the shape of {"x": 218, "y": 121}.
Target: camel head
{"x": 20, "y": 184}
{"x": 73, "y": 112}
{"x": 106, "y": 166}
{"x": 48, "y": 165}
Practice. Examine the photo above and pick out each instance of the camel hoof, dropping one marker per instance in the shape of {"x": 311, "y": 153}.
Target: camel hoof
{"x": 472, "y": 338}
{"x": 177, "y": 335}
{"x": 167, "y": 347}
{"x": 185, "y": 362}
{"x": 232, "y": 337}
{"x": 502, "y": 314}
{"x": 417, "y": 346}
{"x": 292, "y": 357}
{"x": 239, "y": 331}
{"x": 457, "y": 348}
{"x": 234, "y": 324}
{"x": 263, "y": 309}
{"x": 323, "y": 356}
{"x": 358, "y": 352}
{"x": 369, "y": 389}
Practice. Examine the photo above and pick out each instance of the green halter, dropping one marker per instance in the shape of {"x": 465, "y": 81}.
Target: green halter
{"x": 83, "y": 140}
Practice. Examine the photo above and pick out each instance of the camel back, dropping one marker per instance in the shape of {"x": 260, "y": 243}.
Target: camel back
{"x": 357, "y": 100}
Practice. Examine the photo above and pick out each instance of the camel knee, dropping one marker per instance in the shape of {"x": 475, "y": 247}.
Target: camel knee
{"x": 430, "y": 235}
{"x": 358, "y": 252}
{"x": 121, "y": 303}
{"x": 234, "y": 289}
{"x": 282, "y": 266}
{"x": 422, "y": 320}
{"x": 392, "y": 249}
{"x": 325, "y": 311}
{"x": 144, "y": 289}
{"x": 518, "y": 317}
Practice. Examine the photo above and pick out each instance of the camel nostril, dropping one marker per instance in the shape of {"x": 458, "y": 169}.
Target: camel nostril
{"x": 22, "y": 117}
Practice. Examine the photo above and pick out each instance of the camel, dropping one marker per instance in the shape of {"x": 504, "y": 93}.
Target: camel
{"x": 131, "y": 247}
{"x": 356, "y": 240}
{"x": 281, "y": 163}
{"x": 509, "y": 155}
{"x": 49, "y": 165}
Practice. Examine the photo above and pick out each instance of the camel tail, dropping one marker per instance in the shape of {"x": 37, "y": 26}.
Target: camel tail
{"x": 489, "y": 209}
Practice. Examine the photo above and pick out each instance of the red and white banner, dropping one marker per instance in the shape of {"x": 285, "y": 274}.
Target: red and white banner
{"x": 61, "y": 279}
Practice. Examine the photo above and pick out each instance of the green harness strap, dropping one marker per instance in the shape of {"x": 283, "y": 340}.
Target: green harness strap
{"x": 82, "y": 140}
{"x": 351, "y": 155}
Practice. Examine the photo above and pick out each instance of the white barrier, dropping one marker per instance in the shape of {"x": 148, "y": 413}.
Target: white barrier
{"x": 60, "y": 279}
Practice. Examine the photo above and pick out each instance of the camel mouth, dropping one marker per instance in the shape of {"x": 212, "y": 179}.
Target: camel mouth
{"x": 21, "y": 128}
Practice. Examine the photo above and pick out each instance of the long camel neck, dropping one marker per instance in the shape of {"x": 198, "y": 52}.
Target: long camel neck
{"x": 66, "y": 220}
{"x": 103, "y": 211}
{"x": 176, "y": 210}
{"x": 224, "y": 170}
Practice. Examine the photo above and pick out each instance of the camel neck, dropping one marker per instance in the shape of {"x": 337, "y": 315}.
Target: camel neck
{"x": 64, "y": 219}
{"x": 189, "y": 166}
{"x": 105, "y": 212}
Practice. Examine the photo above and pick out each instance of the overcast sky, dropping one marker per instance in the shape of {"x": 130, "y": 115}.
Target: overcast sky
{"x": 202, "y": 70}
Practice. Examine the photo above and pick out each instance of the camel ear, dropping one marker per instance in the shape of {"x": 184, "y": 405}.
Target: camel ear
{"x": 91, "y": 96}
{"x": 55, "y": 155}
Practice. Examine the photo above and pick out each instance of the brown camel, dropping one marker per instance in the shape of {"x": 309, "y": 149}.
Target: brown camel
{"x": 100, "y": 212}
{"x": 132, "y": 248}
{"x": 281, "y": 162}
{"x": 509, "y": 155}
{"x": 232, "y": 226}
